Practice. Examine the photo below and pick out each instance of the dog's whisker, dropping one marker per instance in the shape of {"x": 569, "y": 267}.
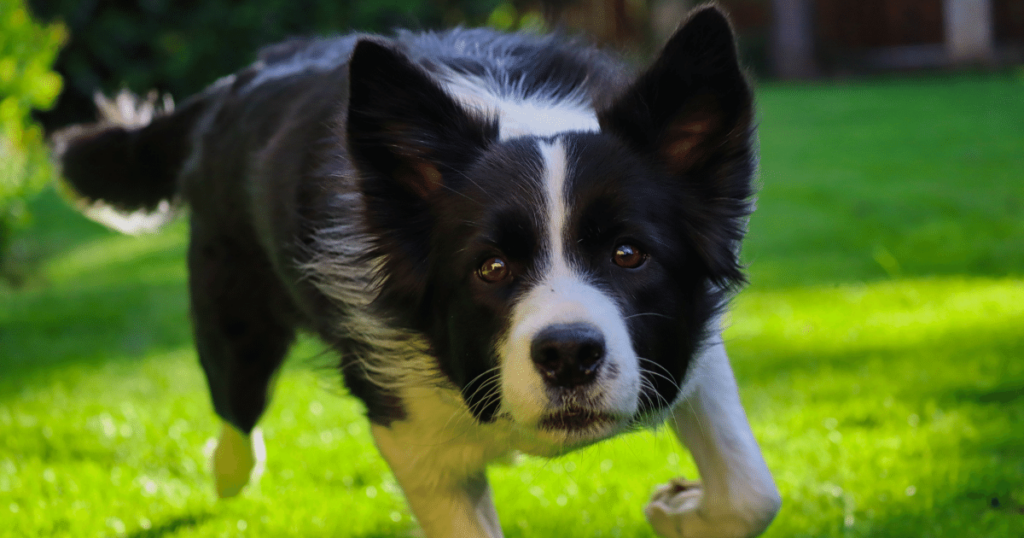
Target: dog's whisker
{"x": 486, "y": 385}
{"x": 654, "y": 314}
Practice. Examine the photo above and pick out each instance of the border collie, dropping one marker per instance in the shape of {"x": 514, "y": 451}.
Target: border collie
{"x": 509, "y": 237}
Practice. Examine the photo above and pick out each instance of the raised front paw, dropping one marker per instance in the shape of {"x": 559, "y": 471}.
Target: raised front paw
{"x": 679, "y": 510}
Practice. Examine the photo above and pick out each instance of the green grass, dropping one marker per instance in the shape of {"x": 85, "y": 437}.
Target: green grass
{"x": 879, "y": 350}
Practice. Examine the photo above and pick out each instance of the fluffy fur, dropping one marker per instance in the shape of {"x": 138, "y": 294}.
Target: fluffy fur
{"x": 512, "y": 242}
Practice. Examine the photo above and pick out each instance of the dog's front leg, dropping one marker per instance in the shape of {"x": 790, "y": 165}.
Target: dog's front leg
{"x": 737, "y": 497}
{"x": 445, "y": 485}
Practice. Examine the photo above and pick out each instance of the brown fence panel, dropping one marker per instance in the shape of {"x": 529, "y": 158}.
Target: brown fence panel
{"x": 1008, "y": 19}
{"x": 878, "y": 23}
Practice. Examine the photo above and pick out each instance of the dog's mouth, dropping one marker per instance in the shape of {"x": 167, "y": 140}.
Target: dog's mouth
{"x": 576, "y": 420}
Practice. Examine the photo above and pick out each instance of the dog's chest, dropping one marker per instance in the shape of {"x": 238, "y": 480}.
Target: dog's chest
{"x": 438, "y": 433}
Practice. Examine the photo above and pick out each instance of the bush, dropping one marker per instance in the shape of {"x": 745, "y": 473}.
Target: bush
{"x": 180, "y": 47}
{"x": 27, "y": 50}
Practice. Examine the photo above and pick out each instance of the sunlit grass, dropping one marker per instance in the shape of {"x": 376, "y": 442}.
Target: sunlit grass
{"x": 907, "y": 397}
{"x": 878, "y": 349}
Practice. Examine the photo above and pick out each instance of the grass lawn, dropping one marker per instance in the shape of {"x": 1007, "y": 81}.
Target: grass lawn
{"x": 880, "y": 351}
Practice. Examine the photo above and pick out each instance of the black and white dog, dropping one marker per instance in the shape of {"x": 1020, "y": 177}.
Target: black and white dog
{"x": 511, "y": 242}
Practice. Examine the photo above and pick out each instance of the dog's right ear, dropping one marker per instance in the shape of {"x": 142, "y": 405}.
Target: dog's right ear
{"x": 404, "y": 132}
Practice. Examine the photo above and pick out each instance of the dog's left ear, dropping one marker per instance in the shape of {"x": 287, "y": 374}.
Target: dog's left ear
{"x": 692, "y": 111}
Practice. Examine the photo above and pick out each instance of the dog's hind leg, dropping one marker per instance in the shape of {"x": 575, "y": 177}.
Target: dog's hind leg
{"x": 736, "y": 497}
{"x": 243, "y": 331}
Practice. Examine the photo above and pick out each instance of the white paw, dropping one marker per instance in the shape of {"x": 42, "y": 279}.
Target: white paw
{"x": 237, "y": 459}
{"x": 677, "y": 510}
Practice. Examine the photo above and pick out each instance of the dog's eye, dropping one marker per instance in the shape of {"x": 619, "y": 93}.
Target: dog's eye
{"x": 628, "y": 256}
{"x": 493, "y": 270}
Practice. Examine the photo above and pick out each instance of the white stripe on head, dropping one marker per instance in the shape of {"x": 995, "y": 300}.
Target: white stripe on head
{"x": 555, "y": 169}
{"x": 537, "y": 115}
{"x": 563, "y": 295}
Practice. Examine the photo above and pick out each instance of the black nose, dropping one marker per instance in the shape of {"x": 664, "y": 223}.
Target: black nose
{"x": 568, "y": 355}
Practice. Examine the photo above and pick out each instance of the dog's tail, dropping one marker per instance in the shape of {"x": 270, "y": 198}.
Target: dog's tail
{"x": 124, "y": 170}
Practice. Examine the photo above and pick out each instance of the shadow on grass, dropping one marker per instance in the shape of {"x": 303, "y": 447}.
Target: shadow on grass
{"x": 172, "y": 526}
{"x": 1009, "y": 393}
{"x": 97, "y": 295}
{"x": 930, "y": 346}
{"x": 978, "y": 494}
{"x": 192, "y": 521}
{"x": 54, "y": 228}
{"x": 49, "y": 330}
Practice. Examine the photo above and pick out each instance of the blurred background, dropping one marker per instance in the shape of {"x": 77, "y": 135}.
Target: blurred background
{"x": 878, "y": 347}
{"x": 179, "y": 47}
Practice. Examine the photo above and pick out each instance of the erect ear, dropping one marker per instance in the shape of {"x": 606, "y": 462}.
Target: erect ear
{"x": 692, "y": 112}
{"x": 693, "y": 104}
{"x": 407, "y": 138}
{"x": 402, "y": 127}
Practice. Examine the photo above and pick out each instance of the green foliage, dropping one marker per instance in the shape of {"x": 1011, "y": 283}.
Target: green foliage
{"x": 180, "y": 47}
{"x": 27, "y": 51}
{"x": 506, "y": 17}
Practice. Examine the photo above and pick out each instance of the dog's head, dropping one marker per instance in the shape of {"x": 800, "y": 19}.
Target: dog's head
{"x": 564, "y": 280}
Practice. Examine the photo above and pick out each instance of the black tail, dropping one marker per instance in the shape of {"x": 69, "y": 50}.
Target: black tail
{"x": 131, "y": 161}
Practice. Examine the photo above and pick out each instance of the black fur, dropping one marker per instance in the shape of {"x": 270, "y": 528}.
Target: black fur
{"x": 127, "y": 168}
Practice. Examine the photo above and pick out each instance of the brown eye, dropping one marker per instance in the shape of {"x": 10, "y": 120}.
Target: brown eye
{"x": 493, "y": 270}
{"x": 628, "y": 256}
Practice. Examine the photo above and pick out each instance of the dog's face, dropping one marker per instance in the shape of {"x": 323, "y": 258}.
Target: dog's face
{"x": 565, "y": 278}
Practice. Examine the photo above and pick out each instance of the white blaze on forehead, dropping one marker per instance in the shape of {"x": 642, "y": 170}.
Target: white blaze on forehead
{"x": 534, "y": 116}
{"x": 563, "y": 295}
{"x": 539, "y": 119}
{"x": 555, "y": 170}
